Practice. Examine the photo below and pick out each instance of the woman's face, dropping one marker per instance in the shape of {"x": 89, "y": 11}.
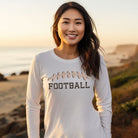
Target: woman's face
{"x": 71, "y": 27}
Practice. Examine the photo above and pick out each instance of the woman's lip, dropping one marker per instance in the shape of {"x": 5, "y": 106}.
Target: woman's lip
{"x": 71, "y": 36}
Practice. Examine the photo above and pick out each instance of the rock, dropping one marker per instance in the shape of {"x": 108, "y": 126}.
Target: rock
{"x": 9, "y": 136}
{"x": 2, "y": 78}
{"x": 13, "y": 124}
{"x": 19, "y": 111}
{"x": 3, "y": 121}
{"x": 13, "y": 127}
{"x": 24, "y": 72}
{"x": 13, "y": 74}
{"x": 22, "y": 134}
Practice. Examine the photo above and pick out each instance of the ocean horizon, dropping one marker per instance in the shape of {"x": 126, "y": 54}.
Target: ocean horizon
{"x": 18, "y": 59}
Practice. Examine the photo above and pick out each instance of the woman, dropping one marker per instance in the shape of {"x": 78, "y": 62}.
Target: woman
{"x": 68, "y": 76}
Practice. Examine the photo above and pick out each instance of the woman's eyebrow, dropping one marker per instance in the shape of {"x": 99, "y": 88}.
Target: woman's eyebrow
{"x": 75, "y": 19}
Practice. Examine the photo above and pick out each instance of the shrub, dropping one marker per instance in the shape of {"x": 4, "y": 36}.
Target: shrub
{"x": 130, "y": 107}
{"x": 121, "y": 80}
{"x": 125, "y": 112}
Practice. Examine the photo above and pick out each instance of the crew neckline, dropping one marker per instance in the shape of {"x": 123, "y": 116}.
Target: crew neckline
{"x": 64, "y": 60}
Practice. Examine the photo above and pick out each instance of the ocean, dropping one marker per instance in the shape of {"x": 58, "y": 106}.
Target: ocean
{"x": 18, "y": 59}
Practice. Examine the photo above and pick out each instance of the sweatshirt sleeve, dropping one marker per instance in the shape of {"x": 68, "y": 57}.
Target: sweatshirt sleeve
{"x": 104, "y": 98}
{"x": 34, "y": 91}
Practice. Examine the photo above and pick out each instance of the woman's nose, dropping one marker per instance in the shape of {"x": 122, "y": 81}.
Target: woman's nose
{"x": 71, "y": 27}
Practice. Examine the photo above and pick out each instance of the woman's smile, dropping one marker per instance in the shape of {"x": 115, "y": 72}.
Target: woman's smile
{"x": 72, "y": 36}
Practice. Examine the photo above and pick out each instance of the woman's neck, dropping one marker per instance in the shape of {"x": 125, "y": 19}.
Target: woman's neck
{"x": 67, "y": 52}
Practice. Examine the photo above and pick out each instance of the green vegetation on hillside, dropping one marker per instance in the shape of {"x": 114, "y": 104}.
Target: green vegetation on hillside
{"x": 125, "y": 77}
{"x": 124, "y": 84}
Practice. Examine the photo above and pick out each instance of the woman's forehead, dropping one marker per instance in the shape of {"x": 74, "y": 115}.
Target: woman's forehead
{"x": 72, "y": 14}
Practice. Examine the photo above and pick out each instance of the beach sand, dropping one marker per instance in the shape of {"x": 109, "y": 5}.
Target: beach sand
{"x": 12, "y": 110}
{"x": 12, "y": 92}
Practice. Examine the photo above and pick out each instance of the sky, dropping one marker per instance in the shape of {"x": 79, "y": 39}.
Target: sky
{"x": 29, "y": 22}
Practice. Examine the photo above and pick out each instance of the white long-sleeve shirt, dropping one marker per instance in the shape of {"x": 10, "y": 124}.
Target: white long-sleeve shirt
{"x": 68, "y": 94}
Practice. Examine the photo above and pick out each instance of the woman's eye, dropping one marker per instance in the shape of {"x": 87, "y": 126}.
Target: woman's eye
{"x": 78, "y": 22}
{"x": 65, "y": 22}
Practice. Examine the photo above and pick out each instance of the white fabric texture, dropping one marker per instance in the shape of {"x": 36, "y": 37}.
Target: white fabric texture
{"x": 68, "y": 94}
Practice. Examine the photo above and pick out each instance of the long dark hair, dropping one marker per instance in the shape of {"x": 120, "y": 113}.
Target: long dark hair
{"x": 89, "y": 45}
